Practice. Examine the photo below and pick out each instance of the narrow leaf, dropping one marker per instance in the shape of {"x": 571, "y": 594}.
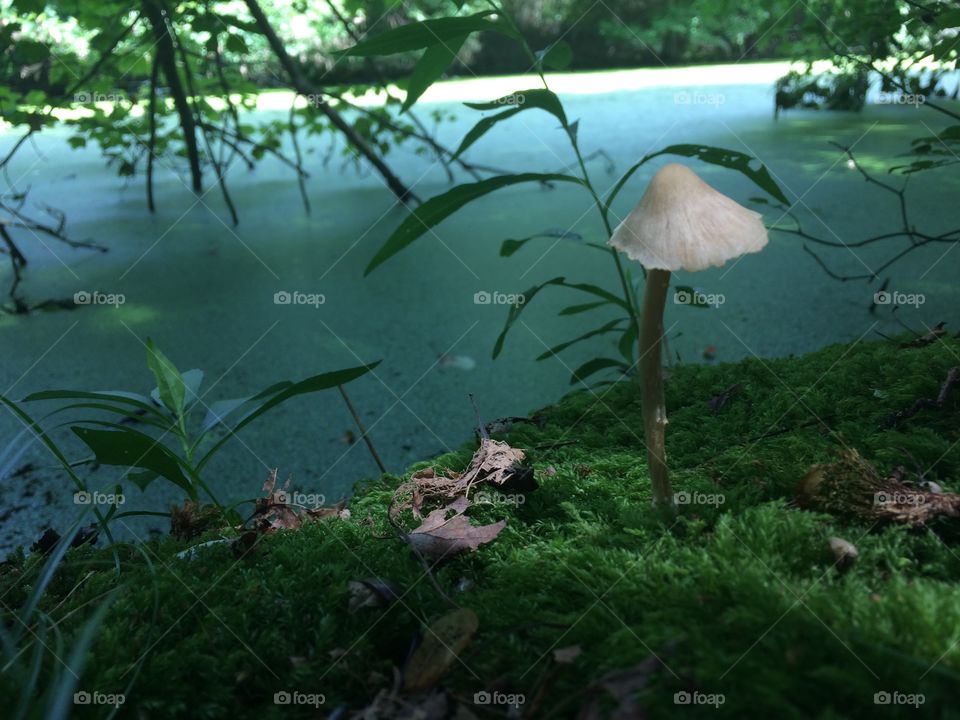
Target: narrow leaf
{"x": 438, "y": 208}
{"x": 170, "y": 385}
{"x": 310, "y": 385}
{"x": 591, "y": 367}
{"x": 420, "y": 35}
{"x": 608, "y": 327}
{"x": 432, "y": 64}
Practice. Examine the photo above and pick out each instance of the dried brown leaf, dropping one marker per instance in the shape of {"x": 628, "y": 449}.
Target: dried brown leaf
{"x": 440, "y": 536}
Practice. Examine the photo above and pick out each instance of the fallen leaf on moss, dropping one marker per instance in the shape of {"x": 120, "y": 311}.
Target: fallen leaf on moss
{"x": 440, "y": 536}
{"x": 442, "y": 644}
{"x": 274, "y": 512}
{"x": 494, "y": 462}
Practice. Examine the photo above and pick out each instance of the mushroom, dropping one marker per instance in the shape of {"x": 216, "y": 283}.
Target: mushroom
{"x": 680, "y": 223}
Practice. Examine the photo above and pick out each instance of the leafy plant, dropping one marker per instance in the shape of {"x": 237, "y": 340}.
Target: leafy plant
{"x": 417, "y": 36}
{"x": 171, "y": 444}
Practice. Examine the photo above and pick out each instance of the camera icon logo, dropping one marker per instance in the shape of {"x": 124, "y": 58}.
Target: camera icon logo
{"x": 681, "y": 498}
{"x": 482, "y": 298}
{"x": 82, "y": 497}
{"x": 282, "y": 298}
{"x": 481, "y": 698}
{"x": 682, "y": 698}
{"x": 682, "y": 297}
{"x": 882, "y": 298}
{"x": 82, "y": 298}
{"x": 282, "y": 698}
{"x": 881, "y": 698}
{"x": 82, "y": 698}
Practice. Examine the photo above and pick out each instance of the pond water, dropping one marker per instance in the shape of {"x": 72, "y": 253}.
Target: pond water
{"x": 204, "y": 290}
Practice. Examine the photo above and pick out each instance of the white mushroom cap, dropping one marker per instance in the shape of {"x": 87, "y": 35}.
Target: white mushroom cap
{"x": 681, "y": 223}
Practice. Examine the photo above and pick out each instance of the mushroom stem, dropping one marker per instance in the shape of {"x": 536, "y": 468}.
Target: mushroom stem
{"x": 651, "y": 378}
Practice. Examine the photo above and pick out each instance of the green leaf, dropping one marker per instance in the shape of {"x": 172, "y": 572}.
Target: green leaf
{"x": 586, "y": 307}
{"x": 192, "y": 379}
{"x": 510, "y": 246}
{"x": 745, "y": 164}
{"x": 236, "y": 44}
{"x": 514, "y": 313}
{"x": 113, "y": 396}
{"x": 515, "y": 310}
{"x": 420, "y": 35}
{"x": 432, "y": 64}
{"x": 438, "y": 208}
{"x": 556, "y": 349}
{"x": 538, "y": 98}
{"x": 628, "y": 342}
{"x": 130, "y": 448}
{"x": 592, "y": 367}
{"x": 481, "y": 128}
{"x": 170, "y": 385}
{"x": 557, "y": 57}
{"x": 310, "y": 385}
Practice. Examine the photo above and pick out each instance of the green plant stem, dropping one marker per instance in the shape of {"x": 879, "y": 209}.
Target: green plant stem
{"x": 628, "y": 295}
{"x": 651, "y": 377}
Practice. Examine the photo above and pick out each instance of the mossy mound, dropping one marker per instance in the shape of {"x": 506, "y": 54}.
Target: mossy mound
{"x": 737, "y": 601}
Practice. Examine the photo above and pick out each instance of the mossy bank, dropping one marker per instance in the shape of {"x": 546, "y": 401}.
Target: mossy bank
{"x": 735, "y": 609}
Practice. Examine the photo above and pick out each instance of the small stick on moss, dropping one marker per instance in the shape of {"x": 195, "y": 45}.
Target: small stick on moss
{"x": 853, "y": 487}
{"x": 363, "y": 430}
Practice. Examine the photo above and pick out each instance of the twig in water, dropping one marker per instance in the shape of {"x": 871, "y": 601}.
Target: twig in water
{"x": 362, "y": 429}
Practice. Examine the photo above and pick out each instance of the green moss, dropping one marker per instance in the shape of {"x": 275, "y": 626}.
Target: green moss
{"x": 738, "y": 598}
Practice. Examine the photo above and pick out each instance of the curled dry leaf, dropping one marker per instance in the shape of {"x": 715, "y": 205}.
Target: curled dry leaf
{"x": 494, "y": 462}
{"x": 274, "y": 512}
{"x": 442, "y": 644}
{"x": 440, "y": 536}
